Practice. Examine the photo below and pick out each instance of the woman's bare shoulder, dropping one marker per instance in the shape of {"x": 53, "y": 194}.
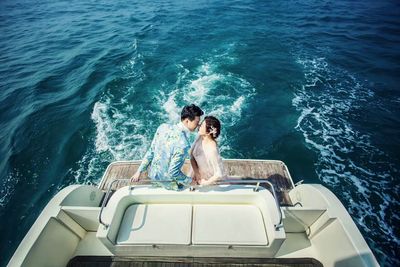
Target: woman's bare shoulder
{"x": 212, "y": 148}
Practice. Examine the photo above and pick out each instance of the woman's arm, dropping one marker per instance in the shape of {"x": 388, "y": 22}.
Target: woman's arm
{"x": 195, "y": 167}
{"x": 217, "y": 165}
{"x": 212, "y": 180}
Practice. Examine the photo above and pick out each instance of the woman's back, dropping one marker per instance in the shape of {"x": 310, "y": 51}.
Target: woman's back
{"x": 208, "y": 160}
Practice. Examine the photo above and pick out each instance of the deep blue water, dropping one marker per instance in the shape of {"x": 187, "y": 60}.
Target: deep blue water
{"x": 312, "y": 83}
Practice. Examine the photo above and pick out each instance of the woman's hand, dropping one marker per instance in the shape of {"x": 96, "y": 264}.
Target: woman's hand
{"x": 195, "y": 179}
{"x": 204, "y": 182}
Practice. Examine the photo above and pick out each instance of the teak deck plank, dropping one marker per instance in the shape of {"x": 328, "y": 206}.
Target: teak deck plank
{"x": 89, "y": 261}
{"x": 275, "y": 171}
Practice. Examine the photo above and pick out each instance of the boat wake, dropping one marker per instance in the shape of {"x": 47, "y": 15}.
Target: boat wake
{"x": 360, "y": 173}
{"x": 221, "y": 94}
{"x": 130, "y": 110}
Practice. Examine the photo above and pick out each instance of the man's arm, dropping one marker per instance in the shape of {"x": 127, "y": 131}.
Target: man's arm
{"x": 176, "y": 163}
{"x": 148, "y": 157}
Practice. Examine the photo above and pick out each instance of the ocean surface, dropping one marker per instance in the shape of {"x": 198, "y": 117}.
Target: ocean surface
{"x": 312, "y": 83}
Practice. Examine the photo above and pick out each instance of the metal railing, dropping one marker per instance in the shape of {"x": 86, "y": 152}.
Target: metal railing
{"x": 255, "y": 189}
{"x": 105, "y": 200}
{"x": 194, "y": 187}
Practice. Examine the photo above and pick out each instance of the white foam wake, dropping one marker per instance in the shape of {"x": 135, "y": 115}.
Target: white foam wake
{"x": 121, "y": 132}
{"x": 124, "y": 125}
{"x": 219, "y": 93}
{"x": 348, "y": 162}
{"x": 8, "y": 187}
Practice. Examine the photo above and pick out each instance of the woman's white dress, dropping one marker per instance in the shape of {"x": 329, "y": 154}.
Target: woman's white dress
{"x": 209, "y": 162}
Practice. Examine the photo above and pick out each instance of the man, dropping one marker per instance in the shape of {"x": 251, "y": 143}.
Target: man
{"x": 169, "y": 149}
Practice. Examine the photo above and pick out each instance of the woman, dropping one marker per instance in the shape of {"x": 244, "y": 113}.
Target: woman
{"x": 204, "y": 157}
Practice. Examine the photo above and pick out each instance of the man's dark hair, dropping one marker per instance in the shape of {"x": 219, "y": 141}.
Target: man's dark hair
{"x": 191, "y": 112}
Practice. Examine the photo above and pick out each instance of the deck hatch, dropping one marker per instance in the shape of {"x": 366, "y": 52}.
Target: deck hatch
{"x": 228, "y": 225}
{"x": 156, "y": 224}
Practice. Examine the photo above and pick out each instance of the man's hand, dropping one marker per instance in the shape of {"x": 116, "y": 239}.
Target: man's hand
{"x": 135, "y": 177}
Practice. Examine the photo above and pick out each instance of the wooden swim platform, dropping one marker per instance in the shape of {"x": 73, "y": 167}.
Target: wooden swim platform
{"x": 273, "y": 170}
{"x": 115, "y": 261}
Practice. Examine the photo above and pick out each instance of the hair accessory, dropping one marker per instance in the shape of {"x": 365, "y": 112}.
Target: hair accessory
{"x": 213, "y": 131}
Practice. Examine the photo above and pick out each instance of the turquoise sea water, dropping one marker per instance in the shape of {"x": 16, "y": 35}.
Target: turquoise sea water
{"x": 312, "y": 83}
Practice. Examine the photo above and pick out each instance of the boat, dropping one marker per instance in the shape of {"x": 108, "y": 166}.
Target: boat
{"x": 257, "y": 216}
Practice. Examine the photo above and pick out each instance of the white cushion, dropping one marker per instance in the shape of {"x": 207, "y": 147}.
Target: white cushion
{"x": 228, "y": 224}
{"x": 156, "y": 224}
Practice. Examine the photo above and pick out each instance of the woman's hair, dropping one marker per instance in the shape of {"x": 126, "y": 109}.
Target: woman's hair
{"x": 213, "y": 126}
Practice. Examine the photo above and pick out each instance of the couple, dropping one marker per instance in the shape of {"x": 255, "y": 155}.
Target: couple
{"x": 171, "y": 146}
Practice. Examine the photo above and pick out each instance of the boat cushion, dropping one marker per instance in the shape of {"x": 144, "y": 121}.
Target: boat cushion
{"x": 228, "y": 224}
{"x": 156, "y": 224}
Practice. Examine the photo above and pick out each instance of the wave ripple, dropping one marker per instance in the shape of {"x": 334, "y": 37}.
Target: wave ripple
{"x": 360, "y": 173}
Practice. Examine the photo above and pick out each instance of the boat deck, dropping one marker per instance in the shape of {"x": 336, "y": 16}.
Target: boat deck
{"x": 97, "y": 261}
{"x": 275, "y": 171}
